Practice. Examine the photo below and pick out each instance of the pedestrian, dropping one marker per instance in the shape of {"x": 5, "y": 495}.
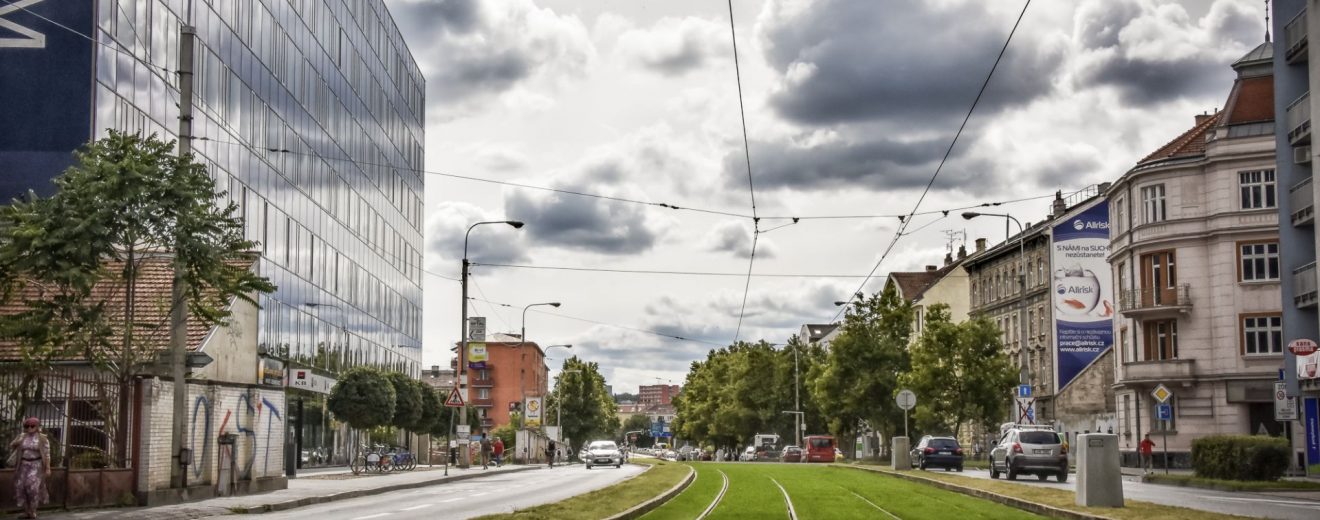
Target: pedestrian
{"x": 550, "y": 452}
{"x": 486, "y": 448}
{"x": 453, "y": 452}
{"x": 1147, "y": 449}
{"x": 29, "y": 455}
{"x": 497, "y": 448}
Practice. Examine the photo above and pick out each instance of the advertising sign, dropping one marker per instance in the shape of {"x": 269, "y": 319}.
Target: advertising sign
{"x": 1082, "y": 290}
{"x": 1312, "y": 415}
{"x": 477, "y": 328}
{"x": 1308, "y": 366}
{"x": 533, "y": 418}
{"x": 47, "y": 90}
{"x": 476, "y": 356}
{"x": 304, "y": 379}
{"x": 270, "y": 372}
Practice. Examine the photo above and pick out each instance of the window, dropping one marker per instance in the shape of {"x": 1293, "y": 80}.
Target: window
{"x": 1159, "y": 279}
{"x": 483, "y": 374}
{"x": 1120, "y": 214}
{"x": 483, "y": 393}
{"x": 1031, "y": 322}
{"x": 1152, "y": 204}
{"x": 1262, "y": 335}
{"x": 1257, "y": 189}
{"x": 1259, "y": 262}
{"x": 1123, "y": 346}
{"x": 1161, "y": 340}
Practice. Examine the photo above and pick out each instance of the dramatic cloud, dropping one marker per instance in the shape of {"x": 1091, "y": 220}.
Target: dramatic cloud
{"x": 878, "y": 163}
{"x": 449, "y": 223}
{"x": 675, "y": 46}
{"x": 736, "y": 237}
{"x": 473, "y": 51}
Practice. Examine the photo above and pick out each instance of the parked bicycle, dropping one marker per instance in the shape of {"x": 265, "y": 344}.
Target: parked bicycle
{"x": 402, "y": 459}
{"x": 374, "y": 459}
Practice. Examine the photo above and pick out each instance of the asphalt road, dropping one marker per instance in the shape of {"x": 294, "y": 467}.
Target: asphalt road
{"x": 501, "y": 493}
{"x": 1260, "y": 505}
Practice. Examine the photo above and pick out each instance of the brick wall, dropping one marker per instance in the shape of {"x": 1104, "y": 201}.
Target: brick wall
{"x": 255, "y": 414}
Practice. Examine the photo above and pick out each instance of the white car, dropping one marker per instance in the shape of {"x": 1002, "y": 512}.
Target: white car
{"x": 603, "y": 453}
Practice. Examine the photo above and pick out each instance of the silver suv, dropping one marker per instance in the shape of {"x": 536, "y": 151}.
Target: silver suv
{"x": 1035, "y": 450}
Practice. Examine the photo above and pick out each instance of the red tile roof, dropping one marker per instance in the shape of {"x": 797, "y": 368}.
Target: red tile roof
{"x": 911, "y": 285}
{"x": 1252, "y": 101}
{"x": 1191, "y": 143}
{"x": 152, "y": 291}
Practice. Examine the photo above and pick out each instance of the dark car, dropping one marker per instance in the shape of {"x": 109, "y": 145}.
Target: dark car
{"x": 938, "y": 452}
{"x": 791, "y": 454}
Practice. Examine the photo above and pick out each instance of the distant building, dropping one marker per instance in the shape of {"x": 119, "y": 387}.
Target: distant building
{"x": 441, "y": 380}
{"x": 515, "y": 370}
{"x": 819, "y": 332}
{"x": 946, "y": 284}
{"x": 657, "y": 394}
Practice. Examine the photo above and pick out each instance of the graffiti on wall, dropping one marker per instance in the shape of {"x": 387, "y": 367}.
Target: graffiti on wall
{"x": 202, "y": 407}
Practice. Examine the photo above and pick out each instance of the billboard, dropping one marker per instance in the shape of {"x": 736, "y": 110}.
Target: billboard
{"x": 46, "y": 90}
{"x": 476, "y": 357}
{"x": 533, "y": 417}
{"x": 1082, "y": 292}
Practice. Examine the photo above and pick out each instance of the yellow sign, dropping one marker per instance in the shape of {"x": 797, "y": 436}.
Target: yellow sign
{"x": 533, "y": 418}
{"x": 1162, "y": 394}
{"x": 476, "y": 356}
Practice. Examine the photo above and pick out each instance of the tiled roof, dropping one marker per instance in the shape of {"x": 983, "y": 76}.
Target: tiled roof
{"x": 911, "y": 285}
{"x": 152, "y": 293}
{"x": 1252, "y": 101}
{"x": 1190, "y": 144}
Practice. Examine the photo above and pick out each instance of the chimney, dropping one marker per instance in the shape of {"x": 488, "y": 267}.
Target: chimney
{"x": 948, "y": 258}
{"x": 962, "y": 251}
{"x": 1104, "y": 187}
{"x": 931, "y": 268}
{"x": 435, "y": 370}
{"x": 980, "y": 245}
{"x": 1200, "y": 118}
{"x": 1059, "y": 205}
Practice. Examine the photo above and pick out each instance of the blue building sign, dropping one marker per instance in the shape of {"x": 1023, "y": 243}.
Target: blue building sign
{"x": 1311, "y": 409}
{"x": 46, "y": 90}
{"x": 1083, "y": 292}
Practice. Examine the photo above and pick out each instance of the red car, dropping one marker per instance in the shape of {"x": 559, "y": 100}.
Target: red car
{"x": 820, "y": 448}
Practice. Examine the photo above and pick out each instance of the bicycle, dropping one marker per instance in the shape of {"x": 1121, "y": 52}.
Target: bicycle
{"x": 403, "y": 459}
{"x": 371, "y": 459}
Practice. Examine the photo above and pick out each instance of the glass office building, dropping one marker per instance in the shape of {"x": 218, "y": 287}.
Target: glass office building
{"x": 308, "y": 112}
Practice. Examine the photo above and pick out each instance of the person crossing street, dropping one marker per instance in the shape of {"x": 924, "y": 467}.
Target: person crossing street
{"x": 497, "y": 448}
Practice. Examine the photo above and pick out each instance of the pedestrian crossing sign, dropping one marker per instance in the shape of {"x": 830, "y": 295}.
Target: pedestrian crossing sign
{"x": 455, "y": 399}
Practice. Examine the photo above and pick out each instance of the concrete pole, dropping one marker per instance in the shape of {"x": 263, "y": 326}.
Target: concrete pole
{"x": 178, "y": 308}
{"x": 464, "y": 459}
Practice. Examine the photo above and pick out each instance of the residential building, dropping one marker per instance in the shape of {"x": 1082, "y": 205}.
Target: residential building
{"x": 514, "y": 370}
{"x": 308, "y": 114}
{"x": 657, "y": 394}
{"x": 1195, "y": 258}
{"x": 1294, "y": 157}
{"x": 440, "y": 380}
{"x": 819, "y": 332}
{"x": 947, "y": 284}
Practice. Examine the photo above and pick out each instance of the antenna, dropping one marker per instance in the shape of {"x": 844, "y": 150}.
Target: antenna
{"x": 952, "y": 237}
{"x": 1267, "y": 21}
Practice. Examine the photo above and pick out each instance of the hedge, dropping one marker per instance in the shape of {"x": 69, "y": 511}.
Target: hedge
{"x": 1240, "y": 457}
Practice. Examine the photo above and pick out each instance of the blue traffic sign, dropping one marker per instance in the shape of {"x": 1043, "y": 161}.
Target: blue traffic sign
{"x": 1024, "y": 390}
{"x": 1164, "y": 412}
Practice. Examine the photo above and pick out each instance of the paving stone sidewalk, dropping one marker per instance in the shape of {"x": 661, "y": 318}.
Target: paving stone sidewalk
{"x": 312, "y": 487}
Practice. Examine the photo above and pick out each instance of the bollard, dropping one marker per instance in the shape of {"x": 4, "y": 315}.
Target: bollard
{"x": 1099, "y": 480}
{"x": 899, "y": 457}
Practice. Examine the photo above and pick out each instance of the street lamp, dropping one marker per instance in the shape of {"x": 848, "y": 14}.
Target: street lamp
{"x": 463, "y": 337}
{"x": 522, "y": 356}
{"x": 1024, "y": 370}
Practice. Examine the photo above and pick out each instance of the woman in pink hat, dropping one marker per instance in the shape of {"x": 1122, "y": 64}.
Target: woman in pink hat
{"x": 31, "y": 455}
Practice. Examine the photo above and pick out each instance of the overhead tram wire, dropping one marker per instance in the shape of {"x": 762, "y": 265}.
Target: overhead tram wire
{"x": 664, "y": 272}
{"x": 601, "y": 323}
{"x": 904, "y": 223}
{"x": 751, "y": 187}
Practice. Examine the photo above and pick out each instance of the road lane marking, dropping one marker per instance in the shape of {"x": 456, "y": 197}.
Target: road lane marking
{"x": 451, "y": 500}
{"x": 1306, "y": 505}
{"x": 882, "y": 510}
{"x": 416, "y": 507}
{"x": 377, "y": 515}
{"x": 718, "y": 497}
{"x": 792, "y": 514}
{"x": 480, "y": 494}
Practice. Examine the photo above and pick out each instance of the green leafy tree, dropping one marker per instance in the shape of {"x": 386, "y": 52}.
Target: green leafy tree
{"x": 127, "y": 200}
{"x": 363, "y": 398}
{"x": 860, "y": 373}
{"x": 588, "y": 409}
{"x": 637, "y": 422}
{"x": 407, "y": 401}
{"x": 959, "y": 371}
{"x": 432, "y": 408}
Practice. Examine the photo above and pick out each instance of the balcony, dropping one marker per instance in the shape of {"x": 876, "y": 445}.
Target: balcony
{"x": 1301, "y": 199}
{"x": 483, "y": 403}
{"x": 1166, "y": 370}
{"x": 1304, "y": 294}
{"x": 479, "y": 382}
{"x": 1294, "y": 38}
{"x": 1299, "y": 120}
{"x": 1148, "y": 301}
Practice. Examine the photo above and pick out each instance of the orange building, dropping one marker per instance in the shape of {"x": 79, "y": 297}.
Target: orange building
{"x": 497, "y": 390}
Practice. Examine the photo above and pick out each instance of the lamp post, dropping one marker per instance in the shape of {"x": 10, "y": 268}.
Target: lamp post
{"x": 522, "y": 355}
{"x": 1024, "y": 370}
{"x": 463, "y": 337}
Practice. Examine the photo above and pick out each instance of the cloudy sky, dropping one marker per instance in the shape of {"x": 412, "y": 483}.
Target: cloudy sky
{"x": 850, "y": 105}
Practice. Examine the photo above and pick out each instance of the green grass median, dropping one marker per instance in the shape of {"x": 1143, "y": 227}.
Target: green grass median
{"x": 605, "y": 502}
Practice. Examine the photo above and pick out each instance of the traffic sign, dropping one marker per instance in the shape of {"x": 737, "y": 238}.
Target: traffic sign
{"x": 1164, "y": 412}
{"x": 1301, "y": 347}
{"x": 1026, "y": 410}
{"x": 1161, "y": 393}
{"x": 1285, "y": 408}
{"x": 455, "y": 399}
{"x": 906, "y": 399}
{"x": 1024, "y": 391}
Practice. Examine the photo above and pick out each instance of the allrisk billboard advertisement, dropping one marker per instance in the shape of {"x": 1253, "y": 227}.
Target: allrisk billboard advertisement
{"x": 45, "y": 90}
{"x": 1082, "y": 291}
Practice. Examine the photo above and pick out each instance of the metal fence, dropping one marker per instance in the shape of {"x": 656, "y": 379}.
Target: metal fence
{"x": 87, "y": 415}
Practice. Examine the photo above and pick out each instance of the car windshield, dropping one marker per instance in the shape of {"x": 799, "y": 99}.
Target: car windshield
{"x": 821, "y": 443}
{"x": 1038, "y": 437}
{"x": 603, "y": 445}
{"x": 943, "y": 444}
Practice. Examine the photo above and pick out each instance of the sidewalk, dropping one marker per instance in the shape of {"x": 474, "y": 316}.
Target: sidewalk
{"x": 311, "y": 487}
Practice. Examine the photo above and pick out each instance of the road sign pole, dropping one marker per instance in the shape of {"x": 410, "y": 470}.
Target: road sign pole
{"x": 1166, "y": 447}
{"x": 905, "y": 430}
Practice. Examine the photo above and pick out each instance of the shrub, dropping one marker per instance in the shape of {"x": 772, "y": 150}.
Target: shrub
{"x": 363, "y": 398}
{"x": 407, "y": 401}
{"x": 1240, "y": 457}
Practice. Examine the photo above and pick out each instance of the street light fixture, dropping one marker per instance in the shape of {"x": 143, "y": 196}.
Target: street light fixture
{"x": 1024, "y": 370}
{"x": 463, "y": 337}
{"x": 522, "y": 356}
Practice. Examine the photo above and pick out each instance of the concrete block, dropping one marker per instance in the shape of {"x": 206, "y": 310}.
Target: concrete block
{"x": 900, "y": 458}
{"x": 1099, "y": 479}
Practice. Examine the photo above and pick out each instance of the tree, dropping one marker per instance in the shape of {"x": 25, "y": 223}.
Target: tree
{"x": 407, "y": 401}
{"x": 960, "y": 372}
{"x": 625, "y": 398}
{"x": 128, "y": 200}
{"x": 433, "y": 407}
{"x": 363, "y": 398}
{"x": 860, "y": 374}
{"x": 637, "y": 423}
{"x": 588, "y": 409}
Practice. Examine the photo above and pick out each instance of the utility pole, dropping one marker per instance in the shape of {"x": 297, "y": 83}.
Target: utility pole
{"x": 178, "y": 309}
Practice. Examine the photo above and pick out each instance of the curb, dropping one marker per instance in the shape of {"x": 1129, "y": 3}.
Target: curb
{"x": 1025, "y": 505}
{"x": 646, "y": 507}
{"x": 307, "y": 501}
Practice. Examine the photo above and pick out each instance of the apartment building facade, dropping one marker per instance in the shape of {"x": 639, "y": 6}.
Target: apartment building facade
{"x": 1196, "y": 264}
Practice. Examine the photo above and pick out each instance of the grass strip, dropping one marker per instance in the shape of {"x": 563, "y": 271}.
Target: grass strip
{"x": 751, "y": 494}
{"x": 1231, "y": 485}
{"x": 605, "y": 502}
{"x": 1066, "y": 500}
{"x": 692, "y": 501}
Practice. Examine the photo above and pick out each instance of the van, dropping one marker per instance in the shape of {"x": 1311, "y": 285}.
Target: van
{"x": 820, "y": 448}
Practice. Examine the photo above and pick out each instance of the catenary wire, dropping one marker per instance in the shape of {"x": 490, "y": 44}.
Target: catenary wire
{"x": 903, "y": 225}
{"x": 601, "y": 323}
{"x": 751, "y": 187}
{"x": 665, "y": 272}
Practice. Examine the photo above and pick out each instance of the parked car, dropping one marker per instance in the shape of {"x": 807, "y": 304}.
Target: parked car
{"x": 748, "y": 454}
{"x": 938, "y": 452}
{"x": 820, "y": 448}
{"x": 602, "y": 453}
{"x": 1031, "y": 450}
{"x": 791, "y": 454}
